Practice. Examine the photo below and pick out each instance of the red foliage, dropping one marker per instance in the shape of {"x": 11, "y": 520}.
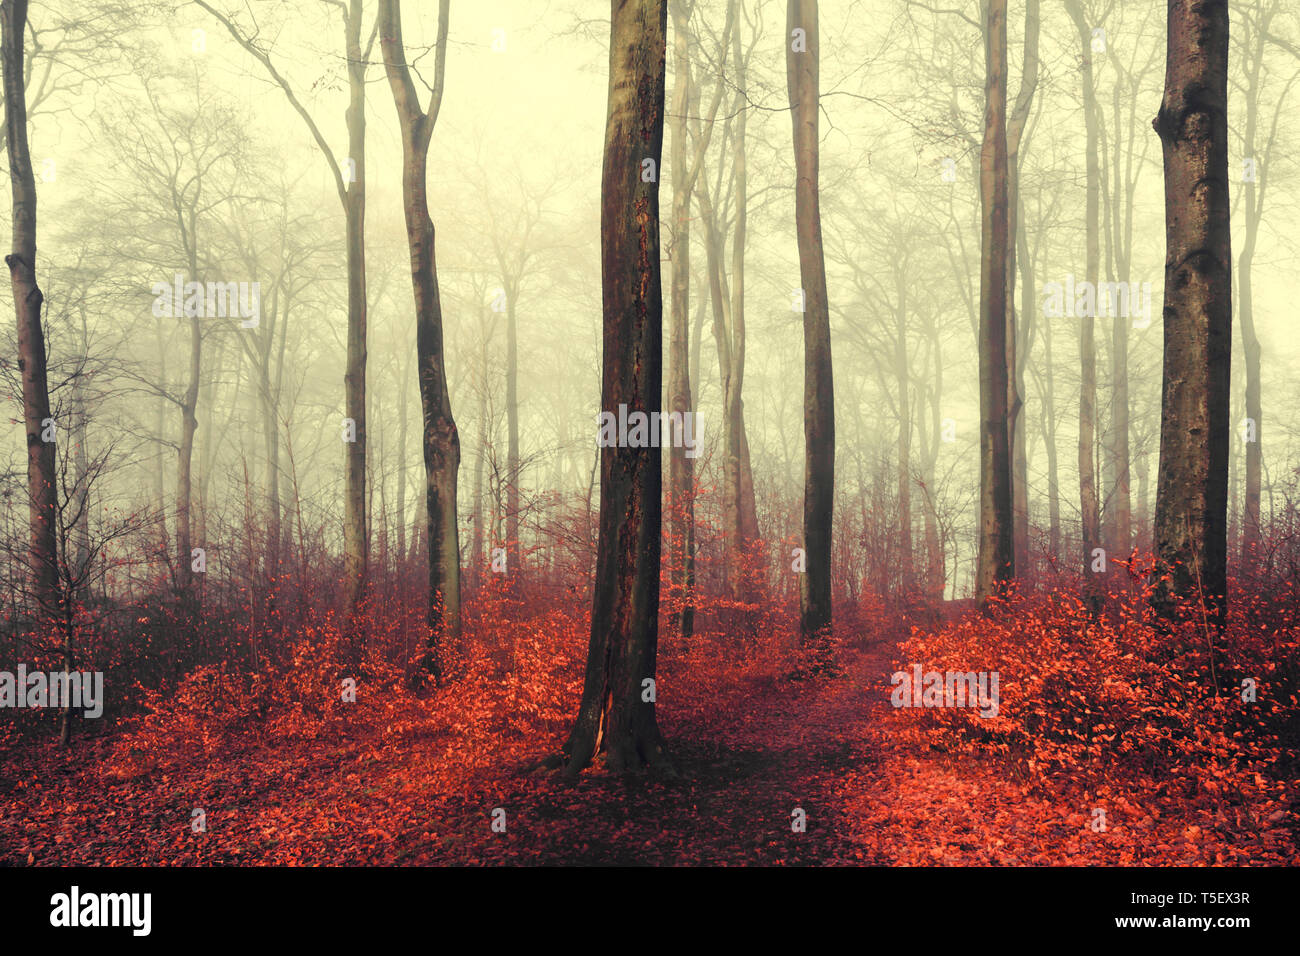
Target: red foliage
{"x": 1145, "y": 723}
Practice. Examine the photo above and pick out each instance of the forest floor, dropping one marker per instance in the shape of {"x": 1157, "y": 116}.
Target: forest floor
{"x": 748, "y": 751}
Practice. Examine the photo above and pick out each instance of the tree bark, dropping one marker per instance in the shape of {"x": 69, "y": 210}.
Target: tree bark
{"x": 42, "y": 489}
{"x": 802, "y": 78}
{"x": 996, "y": 563}
{"x": 617, "y": 712}
{"x": 1016, "y": 339}
{"x": 1191, "y": 492}
{"x": 441, "y": 439}
{"x": 355, "y": 546}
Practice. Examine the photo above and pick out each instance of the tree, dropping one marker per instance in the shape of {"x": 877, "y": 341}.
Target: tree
{"x": 1089, "y": 499}
{"x": 1192, "y": 488}
{"x": 1258, "y": 151}
{"x": 617, "y": 712}
{"x": 996, "y": 554}
{"x": 441, "y": 439}
{"x": 351, "y": 187}
{"x": 1018, "y": 327}
{"x": 42, "y": 489}
{"x": 686, "y": 167}
{"x": 801, "y": 64}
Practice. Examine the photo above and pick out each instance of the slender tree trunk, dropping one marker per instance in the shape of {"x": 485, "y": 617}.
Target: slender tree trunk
{"x": 1257, "y": 35}
{"x": 681, "y": 469}
{"x": 1250, "y": 519}
{"x": 996, "y": 554}
{"x": 355, "y": 525}
{"x": 617, "y": 712}
{"x": 1016, "y": 339}
{"x": 1089, "y": 501}
{"x": 42, "y": 488}
{"x": 1191, "y": 493}
{"x": 512, "y": 435}
{"x": 476, "y": 556}
{"x": 441, "y": 439}
{"x": 403, "y": 425}
{"x": 735, "y": 446}
{"x": 185, "y": 464}
{"x": 1119, "y": 499}
{"x": 80, "y": 503}
{"x": 903, "y": 376}
{"x": 802, "y": 78}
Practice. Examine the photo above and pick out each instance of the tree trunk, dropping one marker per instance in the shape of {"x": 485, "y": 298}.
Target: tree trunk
{"x": 996, "y": 554}
{"x": 681, "y": 469}
{"x": 441, "y": 439}
{"x": 1089, "y": 503}
{"x": 1016, "y": 339}
{"x": 1119, "y": 503}
{"x": 1191, "y": 492}
{"x": 403, "y": 427}
{"x": 355, "y": 548}
{"x": 185, "y": 464}
{"x": 477, "y": 558}
{"x": 42, "y": 489}
{"x": 512, "y": 436}
{"x": 802, "y": 78}
{"x": 1253, "y": 190}
{"x": 734, "y": 444}
{"x": 903, "y": 376}
{"x": 617, "y": 712}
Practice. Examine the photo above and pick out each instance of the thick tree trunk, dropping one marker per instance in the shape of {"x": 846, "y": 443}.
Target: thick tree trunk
{"x": 441, "y": 439}
{"x": 802, "y": 78}
{"x": 617, "y": 712}
{"x": 1191, "y": 493}
{"x": 996, "y": 554}
{"x": 42, "y": 488}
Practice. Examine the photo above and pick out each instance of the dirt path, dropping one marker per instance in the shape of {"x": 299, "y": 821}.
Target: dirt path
{"x": 743, "y": 770}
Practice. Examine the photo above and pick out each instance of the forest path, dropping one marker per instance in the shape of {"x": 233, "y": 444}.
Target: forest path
{"x": 758, "y": 752}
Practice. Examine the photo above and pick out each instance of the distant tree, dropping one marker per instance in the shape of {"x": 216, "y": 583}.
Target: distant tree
{"x": 1089, "y": 495}
{"x": 350, "y": 183}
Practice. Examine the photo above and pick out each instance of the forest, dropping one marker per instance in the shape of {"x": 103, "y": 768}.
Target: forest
{"x": 662, "y": 432}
